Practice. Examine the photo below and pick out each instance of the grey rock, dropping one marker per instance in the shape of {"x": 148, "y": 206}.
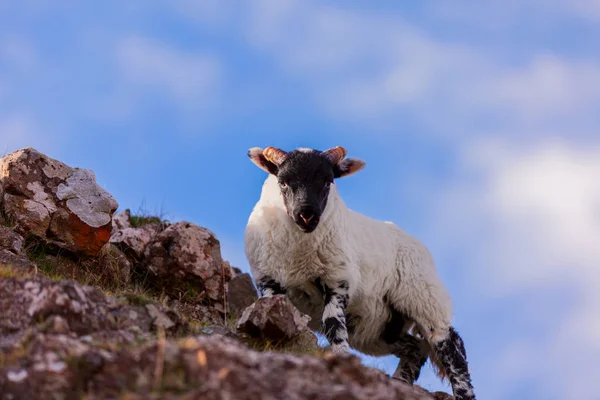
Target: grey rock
{"x": 274, "y": 318}
{"x": 57, "y": 203}
{"x": 240, "y": 293}
{"x": 10, "y": 240}
{"x": 185, "y": 261}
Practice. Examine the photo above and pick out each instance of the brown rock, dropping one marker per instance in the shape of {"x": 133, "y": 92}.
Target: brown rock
{"x": 30, "y": 216}
{"x": 83, "y": 309}
{"x": 205, "y": 314}
{"x": 133, "y": 241}
{"x": 114, "y": 266}
{"x": 220, "y": 330}
{"x": 274, "y": 318}
{"x": 442, "y": 396}
{"x": 56, "y": 324}
{"x": 185, "y": 261}
{"x": 19, "y": 263}
{"x": 203, "y": 367}
{"x": 158, "y": 317}
{"x": 121, "y": 220}
{"x": 240, "y": 293}
{"x": 55, "y": 202}
{"x": 10, "y": 240}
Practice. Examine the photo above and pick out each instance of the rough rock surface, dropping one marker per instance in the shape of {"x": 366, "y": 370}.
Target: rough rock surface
{"x": 28, "y": 302}
{"x": 133, "y": 241}
{"x": 121, "y": 220}
{"x": 55, "y": 202}
{"x": 220, "y": 330}
{"x": 274, "y": 318}
{"x": 12, "y": 252}
{"x": 12, "y": 260}
{"x": 185, "y": 261}
{"x": 113, "y": 265}
{"x": 441, "y": 396}
{"x": 206, "y": 314}
{"x": 10, "y": 240}
{"x": 203, "y": 367}
{"x": 241, "y": 292}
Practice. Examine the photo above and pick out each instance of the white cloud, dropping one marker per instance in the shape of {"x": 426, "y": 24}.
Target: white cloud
{"x": 379, "y": 68}
{"x": 185, "y": 76}
{"x": 211, "y": 13}
{"x": 509, "y": 14}
{"x": 547, "y": 89}
{"x": 528, "y": 220}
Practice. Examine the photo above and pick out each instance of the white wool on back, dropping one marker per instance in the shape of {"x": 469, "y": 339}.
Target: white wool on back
{"x": 383, "y": 265}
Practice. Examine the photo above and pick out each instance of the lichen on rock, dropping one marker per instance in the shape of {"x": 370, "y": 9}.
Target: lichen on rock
{"x": 185, "y": 261}
{"x": 55, "y": 202}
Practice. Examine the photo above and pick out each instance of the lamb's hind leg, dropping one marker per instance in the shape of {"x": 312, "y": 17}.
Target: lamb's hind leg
{"x": 450, "y": 353}
{"x": 413, "y": 355}
{"x": 411, "y": 351}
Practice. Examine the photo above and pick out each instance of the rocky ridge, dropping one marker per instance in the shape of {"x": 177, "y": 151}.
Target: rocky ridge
{"x": 100, "y": 305}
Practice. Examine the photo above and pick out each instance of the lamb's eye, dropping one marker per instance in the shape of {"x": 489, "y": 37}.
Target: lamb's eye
{"x": 327, "y": 184}
{"x": 283, "y": 185}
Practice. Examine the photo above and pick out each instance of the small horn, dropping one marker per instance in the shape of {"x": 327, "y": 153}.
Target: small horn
{"x": 335, "y": 154}
{"x": 276, "y": 156}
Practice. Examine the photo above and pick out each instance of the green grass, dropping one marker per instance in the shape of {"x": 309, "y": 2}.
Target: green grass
{"x": 136, "y": 298}
{"x": 137, "y": 221}
{"x": 143, "y": 217}
{"x": 6, "y": 271}
{"x": 7, "y": 220}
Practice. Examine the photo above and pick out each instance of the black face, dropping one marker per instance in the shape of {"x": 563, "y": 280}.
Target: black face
{"x": 304, "y": 179}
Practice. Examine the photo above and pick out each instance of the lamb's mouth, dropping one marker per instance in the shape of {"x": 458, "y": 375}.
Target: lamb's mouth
{"x": 307, "y": 227}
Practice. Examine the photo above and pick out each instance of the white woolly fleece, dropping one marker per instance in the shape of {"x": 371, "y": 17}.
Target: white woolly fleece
{"x": 382, "y": 264}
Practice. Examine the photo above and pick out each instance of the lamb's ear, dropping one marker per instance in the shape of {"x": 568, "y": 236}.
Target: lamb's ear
{"x": 335, "y": 154}
{"x": 348, "y": 166}
{"x": 257, "y": 156}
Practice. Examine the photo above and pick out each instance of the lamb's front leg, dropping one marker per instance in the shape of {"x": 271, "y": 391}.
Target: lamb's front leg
{"x": 268, "y": 287}
{"x": 334, "y": 314}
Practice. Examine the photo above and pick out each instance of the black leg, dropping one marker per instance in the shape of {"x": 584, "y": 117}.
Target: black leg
{"x": 411, "y": 351}
{"x": 334, "y": 315}
{"x": 268, "y": 286}
{"x": 452, "y": 356}
{"x": 413, "y": 356}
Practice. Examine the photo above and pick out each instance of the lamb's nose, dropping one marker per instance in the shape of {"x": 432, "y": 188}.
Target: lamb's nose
{"x": 306, "y": 216}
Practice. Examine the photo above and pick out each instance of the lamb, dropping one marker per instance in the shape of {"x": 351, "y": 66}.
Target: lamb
{"x": 366, "y": 284}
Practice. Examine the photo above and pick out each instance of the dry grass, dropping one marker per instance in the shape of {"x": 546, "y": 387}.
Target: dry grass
{"x": 6, "y": 271}
{"x": 58, "y": 264}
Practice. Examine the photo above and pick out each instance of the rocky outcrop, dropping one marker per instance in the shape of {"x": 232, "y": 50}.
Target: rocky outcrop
{"x": 12, "y": 252}
{"x": 203, "y": 367}
{"x": 274, "y": 318}
{"x": 241, "y": 293}
{"x": 10, "y": 240}
{"x": 182, "y": 260}
{"x": 57, "y": 203}
{"x": 185, "y": 261}
{"x": 114, "y": 265}
{"x": 83, "y": 310}
{"x": 132, "y": 240}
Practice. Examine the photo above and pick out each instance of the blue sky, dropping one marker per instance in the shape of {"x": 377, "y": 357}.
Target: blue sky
{"x": 479, "y": 124}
